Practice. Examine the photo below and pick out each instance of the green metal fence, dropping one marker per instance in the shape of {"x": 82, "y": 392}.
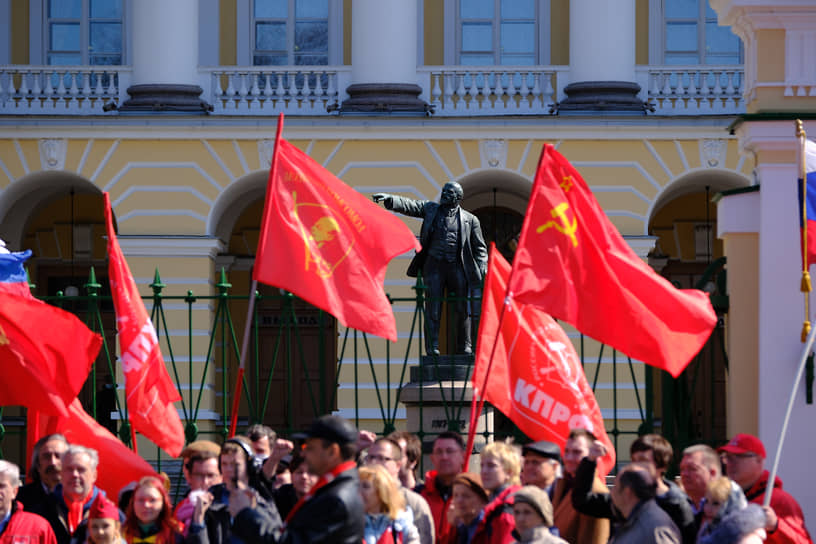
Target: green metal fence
{"x": 282, "y": 356}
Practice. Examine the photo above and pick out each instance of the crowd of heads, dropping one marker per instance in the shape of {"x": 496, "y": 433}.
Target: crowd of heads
{"x": 526, "y": 483}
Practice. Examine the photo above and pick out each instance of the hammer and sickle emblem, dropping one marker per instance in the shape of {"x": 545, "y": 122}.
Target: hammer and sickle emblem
{"x": 564, "y": 227}
{"x": 3, "y": 338}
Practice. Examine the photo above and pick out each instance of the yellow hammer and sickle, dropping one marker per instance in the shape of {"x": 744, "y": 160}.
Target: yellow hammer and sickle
{"x": 564, "y": 227}
{"x": 3, "y": 338}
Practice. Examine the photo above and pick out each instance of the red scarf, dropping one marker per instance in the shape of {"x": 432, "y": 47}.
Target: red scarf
{"x": 75, "y": 511}
{"x": 323, "y": 480}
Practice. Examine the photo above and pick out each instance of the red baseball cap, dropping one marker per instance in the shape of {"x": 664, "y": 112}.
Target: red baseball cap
{"x": 744, "y": 443}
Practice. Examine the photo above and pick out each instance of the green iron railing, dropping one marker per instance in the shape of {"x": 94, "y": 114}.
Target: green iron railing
{"x": 287, "y": 359}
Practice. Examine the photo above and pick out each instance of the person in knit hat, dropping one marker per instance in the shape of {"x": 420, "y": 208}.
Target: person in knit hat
{"x": 104, "y": 526}
{"x": 533, "y": 514}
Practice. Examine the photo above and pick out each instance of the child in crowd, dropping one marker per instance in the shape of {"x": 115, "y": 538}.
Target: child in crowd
{"x": 103, "y": 523}
{"x": 722, "y": 497}
{"x": 150, "y": 514}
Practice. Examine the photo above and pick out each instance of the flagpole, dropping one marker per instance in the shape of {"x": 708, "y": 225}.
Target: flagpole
{"x": 806, "y": 286}
{"x": 802, "y": 362}
{"x": 236, "y": 398}
{"x": 474, "y": 416}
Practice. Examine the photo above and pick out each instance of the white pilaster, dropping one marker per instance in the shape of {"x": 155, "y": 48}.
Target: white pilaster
{"x": 780, "y": 306}
{"x": 165, "y": 42}
{"x": 384, "y": 41}
{"x": 602, "y": 40}
{"x": 5, "y": 31}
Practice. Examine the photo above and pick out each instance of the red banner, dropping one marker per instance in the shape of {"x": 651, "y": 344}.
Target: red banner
{"x": 573, "y": 263}
{"x": 327, "y": 243}
{"x": 536, "y": 378}
{"x": 45, "y": 352}
{"x": 149, "y": 390}
{"x": 118, "y": 466}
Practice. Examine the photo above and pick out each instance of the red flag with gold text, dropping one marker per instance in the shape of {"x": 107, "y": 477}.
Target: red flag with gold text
{"x": 573, "y": 263}
{"x": 327, "y": 243}
{"x": 149, "y": 390}
{"x": 536, "y": 378}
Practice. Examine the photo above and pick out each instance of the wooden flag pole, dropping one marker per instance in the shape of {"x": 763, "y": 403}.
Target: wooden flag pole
{"x": 236, "y": 398}
{"x": 239, "y": 380}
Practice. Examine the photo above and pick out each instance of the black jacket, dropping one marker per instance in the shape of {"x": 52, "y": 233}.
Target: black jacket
{"x": 33, "y": 496}
{"x": 335, "y": 515}
{"x": 674, "y": 502}
{"x": 218, "y": 527}
{"x": 472, "y": 247}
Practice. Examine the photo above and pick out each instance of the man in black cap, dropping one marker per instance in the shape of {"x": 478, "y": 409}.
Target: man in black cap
{"x": 541, "y": 465}
{"x": 333, "y": 510}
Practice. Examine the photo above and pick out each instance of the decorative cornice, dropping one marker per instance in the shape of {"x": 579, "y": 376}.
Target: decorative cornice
{"x": 166, "y": 246}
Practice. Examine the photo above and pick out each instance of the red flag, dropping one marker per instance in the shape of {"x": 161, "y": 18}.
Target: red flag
{"x": 45, "y": 353}
{"x": 149, "y": 390}
{"x": 573, "y": 263}
{"x": 536, "y": 378}
{"x": 327, "y": 243}
{"x": 118, "y": 465}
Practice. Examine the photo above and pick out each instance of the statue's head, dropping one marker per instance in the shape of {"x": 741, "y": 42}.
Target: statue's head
{"x": 452, "y": 194}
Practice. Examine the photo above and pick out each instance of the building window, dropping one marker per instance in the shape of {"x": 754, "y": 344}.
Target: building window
{"x": 82, "y": 32}
{"x": 498, "y": 32}
{"x": 692, "y": 35}
{"x": 290, "y": 32}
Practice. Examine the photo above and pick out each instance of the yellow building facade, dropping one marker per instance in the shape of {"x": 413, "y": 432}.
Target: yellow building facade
{"x": 417, "y": 93}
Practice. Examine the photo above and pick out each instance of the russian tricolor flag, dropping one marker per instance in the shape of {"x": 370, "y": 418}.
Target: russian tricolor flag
{"x": 12, "y": 274}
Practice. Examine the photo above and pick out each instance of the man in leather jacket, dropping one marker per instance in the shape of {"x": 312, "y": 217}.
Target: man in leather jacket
{"x": 333, "y": 510}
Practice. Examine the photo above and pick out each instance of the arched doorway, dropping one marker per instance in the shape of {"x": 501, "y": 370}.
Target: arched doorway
{"x": 692, "y": 408}
{"x": 60, "y": 217}
{"x": 291, "y": 367}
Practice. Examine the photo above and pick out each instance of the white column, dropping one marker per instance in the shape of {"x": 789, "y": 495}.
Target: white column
{"x": 5, "y": 32}
{"x": 602, "y": 40}
{"x": 165, "y": 42}
{"x": 384, "y": 41}
{"x": 781, "y": 306}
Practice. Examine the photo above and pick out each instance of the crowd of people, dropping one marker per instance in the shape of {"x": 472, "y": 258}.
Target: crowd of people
{"x": 343, "y": 486}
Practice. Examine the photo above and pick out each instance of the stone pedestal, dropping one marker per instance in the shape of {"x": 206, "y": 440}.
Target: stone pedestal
{"x": 438, "y": 399}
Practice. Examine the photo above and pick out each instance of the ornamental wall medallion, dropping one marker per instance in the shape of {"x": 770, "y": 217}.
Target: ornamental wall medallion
{"x": 493, "y": 153}
{"x": 52, "y": 154}
{"x": 713, "y": 153}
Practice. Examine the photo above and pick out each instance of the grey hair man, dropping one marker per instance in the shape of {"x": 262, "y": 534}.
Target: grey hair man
{"x": 700, "y": 464}
{"x": 19, "y": 526}
{"x": 68, "y": 507}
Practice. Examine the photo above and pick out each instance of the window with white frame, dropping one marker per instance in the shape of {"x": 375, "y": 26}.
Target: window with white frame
{"x": 290, "y": 32}
{"x": 498, "y": 32}
{"x": 692, "y": 35}
{"x": 82, "y": 32}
